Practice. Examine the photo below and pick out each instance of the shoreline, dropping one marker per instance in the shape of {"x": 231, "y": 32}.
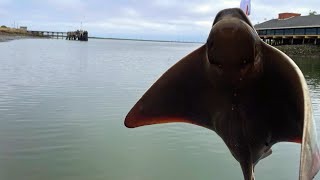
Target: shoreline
{"x": 290, "y": 50}
{"x": 300, "y": 50}
{"x": 147, "y": 40}
{"x": 9, "y": 34}
{"x": 5, "y": 38}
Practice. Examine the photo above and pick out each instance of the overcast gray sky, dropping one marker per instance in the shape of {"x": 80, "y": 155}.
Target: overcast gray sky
{"x": 143, "y": 19}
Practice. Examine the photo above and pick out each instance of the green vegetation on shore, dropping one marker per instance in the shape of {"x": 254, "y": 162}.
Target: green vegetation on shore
{"x": 12, "y": 31}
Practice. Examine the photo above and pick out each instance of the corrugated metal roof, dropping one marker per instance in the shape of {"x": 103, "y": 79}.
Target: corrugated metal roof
{"x": 298, "y": 21}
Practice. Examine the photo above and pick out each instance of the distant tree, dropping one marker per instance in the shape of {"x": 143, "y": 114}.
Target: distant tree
{"x": 3, "y": 26}
{"x": 312, "y": 13}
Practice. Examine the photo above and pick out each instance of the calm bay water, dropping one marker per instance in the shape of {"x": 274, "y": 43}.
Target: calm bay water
{"x": 62, "y": 106}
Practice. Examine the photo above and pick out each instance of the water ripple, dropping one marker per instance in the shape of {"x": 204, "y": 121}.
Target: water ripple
{"x": 61, "y": 116}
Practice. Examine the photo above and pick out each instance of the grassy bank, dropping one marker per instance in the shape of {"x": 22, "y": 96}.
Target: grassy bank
{"x": 13, "y": 31}
{"x": 7, "y": 34}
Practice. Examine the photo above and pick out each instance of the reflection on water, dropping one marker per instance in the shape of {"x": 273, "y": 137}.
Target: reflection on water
{"x": 310, "y": 67}
{"x": 62, "y": 105}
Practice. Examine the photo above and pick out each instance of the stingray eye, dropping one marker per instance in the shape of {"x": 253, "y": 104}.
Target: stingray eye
{"x": 216, "y": 64}
{"x": 211, "y": 57}
{"x": 245, "y": 62}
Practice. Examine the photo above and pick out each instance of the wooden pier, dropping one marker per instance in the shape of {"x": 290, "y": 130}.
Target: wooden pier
{"x": 79, "y": 35}
{"x": 51, "y": 34}
{"x": 291, "y": 39}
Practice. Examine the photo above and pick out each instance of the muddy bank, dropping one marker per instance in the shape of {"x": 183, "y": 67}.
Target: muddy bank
{"x": 9, "y": 37}
{"x": 4, "y": 38}
{"x": 300, "y": 50}
{"x": 7, "y": 34}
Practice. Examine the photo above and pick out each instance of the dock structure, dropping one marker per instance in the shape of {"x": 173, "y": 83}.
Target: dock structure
{"x": 290, "y": 28}
{"x": 77, "y": 35}
{"x": 51, "y": 34}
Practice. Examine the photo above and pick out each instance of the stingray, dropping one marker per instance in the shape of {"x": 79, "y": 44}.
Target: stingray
{"x": 248, "y": 92}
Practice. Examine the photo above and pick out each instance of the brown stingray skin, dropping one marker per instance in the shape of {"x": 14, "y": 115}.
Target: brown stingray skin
{"x": 249, "y": 93}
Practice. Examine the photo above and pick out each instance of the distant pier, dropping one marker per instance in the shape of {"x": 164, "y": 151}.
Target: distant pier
{"x": 79, "y": 35}
{"x": 51, "y": 34}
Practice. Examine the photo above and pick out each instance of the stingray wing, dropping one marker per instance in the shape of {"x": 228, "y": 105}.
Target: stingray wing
{"x": 178, "y": 96}
{"x": 293, "y": 109}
